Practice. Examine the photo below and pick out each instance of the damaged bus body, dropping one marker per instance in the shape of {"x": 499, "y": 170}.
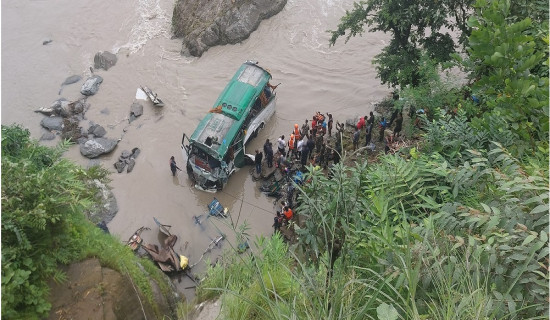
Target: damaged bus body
{"x": 217, "y": 146}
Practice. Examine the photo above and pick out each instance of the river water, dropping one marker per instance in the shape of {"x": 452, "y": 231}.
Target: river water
{"x": 293, "y": 45}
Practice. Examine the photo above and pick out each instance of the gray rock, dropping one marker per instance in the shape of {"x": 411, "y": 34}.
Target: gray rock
{"x": 136, "y": 109}
{"x": 95, "y": 147}
{"x": 52, "y": 123}
{"x": 97, "y": 131}
{"x": 131, "y": 164}
{"x": 125, "y": 154}
{"x": 78, "y": 107}
{"x": 135, "y": 152}
{"x": 47, "y": 136}
{"x": 104, "y": 60}
{"x": 105, "y": 111}
{"x": 109, "y": 207}
{"x": 91, "y": 85}
{"x": 119, "y": 165}
{"x": 206, "y": 23}
{"x": 82, "y": 140}
{"x": 47, "y": 41}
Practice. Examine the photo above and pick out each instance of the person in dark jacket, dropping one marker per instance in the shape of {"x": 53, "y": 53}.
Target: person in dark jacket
{"x": 173, "y": 166}
{"x": 258, "y": 161}
{"x": 305, "y": 154}
{"x": 368, "y": 135}
{"x": 268, "y": 150}
{"x": 398, "y": 125}
{"x": 371, "y": 118}
{"x": 310, "y": 145}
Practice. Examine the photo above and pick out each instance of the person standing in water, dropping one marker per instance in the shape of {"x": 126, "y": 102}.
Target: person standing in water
{"x": 173, "y": 166}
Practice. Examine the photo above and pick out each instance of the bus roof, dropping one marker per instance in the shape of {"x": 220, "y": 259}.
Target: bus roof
{"x": 234, "y": 104}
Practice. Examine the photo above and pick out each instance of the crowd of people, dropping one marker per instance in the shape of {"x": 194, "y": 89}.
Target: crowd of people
{"x": 316, "y": 143}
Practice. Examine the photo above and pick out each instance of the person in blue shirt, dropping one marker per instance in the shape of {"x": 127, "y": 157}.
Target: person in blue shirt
{"x": 383, "y": 125}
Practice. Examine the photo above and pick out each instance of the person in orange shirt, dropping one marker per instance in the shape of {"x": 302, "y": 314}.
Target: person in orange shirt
{"x": 287, "y": 212}
{"x": 297, "y": 134}
{"x": 291, "y": 147}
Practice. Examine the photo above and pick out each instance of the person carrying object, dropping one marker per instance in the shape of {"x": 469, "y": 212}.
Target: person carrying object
{"x": 173, "y": 166}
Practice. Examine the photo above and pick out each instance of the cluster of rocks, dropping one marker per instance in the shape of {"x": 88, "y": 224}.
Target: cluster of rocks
{"x": 64, "y": 116}
{"x": 127, "y": 158}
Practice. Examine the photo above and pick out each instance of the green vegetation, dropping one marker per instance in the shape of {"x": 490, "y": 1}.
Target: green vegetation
{"x": 457, "y": 229}
{"x": 43, "y": 226}
{"x": 416, "y": 28}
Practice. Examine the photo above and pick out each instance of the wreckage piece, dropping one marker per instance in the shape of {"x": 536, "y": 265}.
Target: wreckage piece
{"x": 152, "y": 96}
{"x": 164, "y": 228}
{"x": 135, "y": 241}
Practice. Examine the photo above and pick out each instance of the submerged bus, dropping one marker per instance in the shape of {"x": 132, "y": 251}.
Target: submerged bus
{"x": 217, "y": 146}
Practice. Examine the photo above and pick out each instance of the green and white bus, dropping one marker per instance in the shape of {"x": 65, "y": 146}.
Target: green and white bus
{"x": 217, "y": 146}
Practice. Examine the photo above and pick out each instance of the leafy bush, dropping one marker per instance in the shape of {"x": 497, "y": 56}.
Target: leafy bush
{"x": 43, "y": 225}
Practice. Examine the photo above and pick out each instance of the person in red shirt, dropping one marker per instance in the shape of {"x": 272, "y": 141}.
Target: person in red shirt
{"x": 361, "y": 124}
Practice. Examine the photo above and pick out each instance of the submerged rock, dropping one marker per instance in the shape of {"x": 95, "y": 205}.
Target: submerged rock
{"x": 71, "y": 80}
{"x": 104, "y": 60}
{"x": 206, "y": 23}
{"x": 47, "y": 136}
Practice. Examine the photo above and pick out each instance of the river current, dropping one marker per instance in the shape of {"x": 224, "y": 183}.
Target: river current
{"x": 293, "y": 45}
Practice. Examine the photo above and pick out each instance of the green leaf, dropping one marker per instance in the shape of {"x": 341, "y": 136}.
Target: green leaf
{"x": 386, "y": 312}
{"x": 539, "y": 209}
{"x": 528, "y": 239}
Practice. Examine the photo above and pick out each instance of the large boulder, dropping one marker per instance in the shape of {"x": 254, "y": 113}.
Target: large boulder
{"x": 91, "y": 85}
{"x": 104, "y": 60}
{"x": 205, "y": 23}
{"x": 106, "y": 207}
{"x": 93, "y": 148}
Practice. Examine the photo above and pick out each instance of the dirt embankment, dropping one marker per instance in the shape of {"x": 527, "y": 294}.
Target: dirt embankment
{"x": 94, "y": 292}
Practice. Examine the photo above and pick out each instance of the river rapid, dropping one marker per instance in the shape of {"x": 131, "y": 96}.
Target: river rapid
{"x": 293, "y": 45}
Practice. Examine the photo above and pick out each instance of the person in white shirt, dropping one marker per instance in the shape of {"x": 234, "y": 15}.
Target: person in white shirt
{"x": 299, "y": 148}
{"x": 281, "y": 144}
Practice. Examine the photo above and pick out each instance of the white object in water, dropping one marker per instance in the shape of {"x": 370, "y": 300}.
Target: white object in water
{"x": 140, "y": 94}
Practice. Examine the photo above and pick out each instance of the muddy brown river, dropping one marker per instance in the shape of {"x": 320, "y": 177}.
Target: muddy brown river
{"x": 293, "y": 45}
